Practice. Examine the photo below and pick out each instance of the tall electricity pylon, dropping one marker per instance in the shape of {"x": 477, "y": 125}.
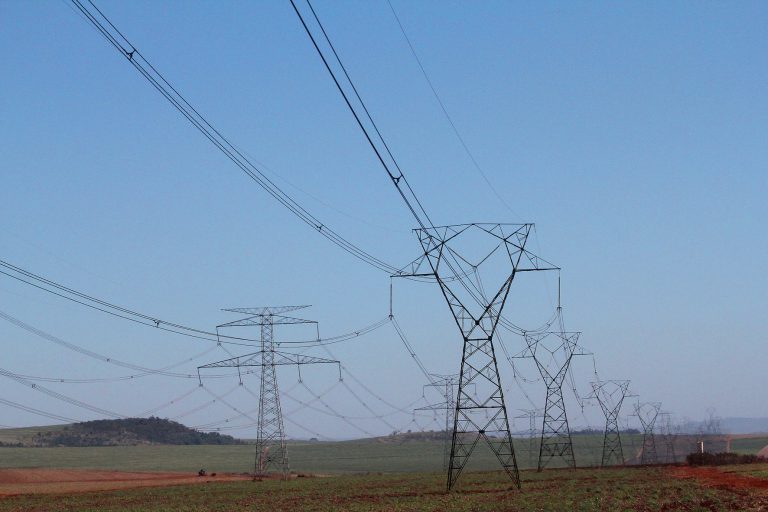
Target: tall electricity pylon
{"x": 463, "y": 259}
{"x": 445, "y": 385}
{"x": 647, "y": 412}
{"x": 271, "y": 451}
{"x": 552, "y": 352}
{"x": 610, "y": 394}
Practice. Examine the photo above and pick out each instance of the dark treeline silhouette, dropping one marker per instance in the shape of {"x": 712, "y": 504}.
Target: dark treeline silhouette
{"x": 721, "y": 459}
{"x": 129, "y": 431}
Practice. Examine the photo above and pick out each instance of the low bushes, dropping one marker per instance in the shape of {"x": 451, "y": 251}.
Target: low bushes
{"x": 721, "y": 459}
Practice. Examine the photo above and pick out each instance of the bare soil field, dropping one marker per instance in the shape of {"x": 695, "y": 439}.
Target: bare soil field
{"x": 636, "y": 489}
{"x": 54, "y": 481}
{"x": 720, "y": 478}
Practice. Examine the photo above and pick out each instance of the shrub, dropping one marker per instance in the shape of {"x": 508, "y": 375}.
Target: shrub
{"x": 721, "y": 459}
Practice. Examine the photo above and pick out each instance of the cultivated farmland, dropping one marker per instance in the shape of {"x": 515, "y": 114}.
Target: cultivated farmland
{"x": 630, "y": 489}
{"x": 358, "y": 475}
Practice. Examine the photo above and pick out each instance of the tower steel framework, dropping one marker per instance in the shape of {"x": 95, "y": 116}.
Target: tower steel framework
{"x": 610, "y": 394}
{"x": 647, "y": 413}
{"x": 459, "y": 257}
{"x": 271, "y": 451}
{"x": 552, "y": 352}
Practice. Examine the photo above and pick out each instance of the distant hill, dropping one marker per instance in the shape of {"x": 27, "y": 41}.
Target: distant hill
{"x": 121, "y": 432}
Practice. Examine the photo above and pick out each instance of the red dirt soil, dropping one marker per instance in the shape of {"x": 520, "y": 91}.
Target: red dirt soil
{"x": 44, "y": 481}
{"x": 715, "y": 478}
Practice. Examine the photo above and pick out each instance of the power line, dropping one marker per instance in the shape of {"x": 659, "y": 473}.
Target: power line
{"x": 447, "y": 115}
{"x": 410, "y": 350}
{"x": 100, "y": 357}
{"x": 406, "y": 192}
{"x": 170, "y": 402}
{"x": 59, "y": 396}
{"x": 116, "y": 38}
{"x": 27, "y": 408}
{"x": 216, "y": 398}
{"x": 83, "y": 299}
{"x": 65, "y": 292}
{"x": 247, "y": 413}
{"x": 360, "y": 383}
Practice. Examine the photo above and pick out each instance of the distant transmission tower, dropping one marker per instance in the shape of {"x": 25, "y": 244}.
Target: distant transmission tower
{"x": 271, "y": 452}
{"x": 531, "y": 415}
{"x": 445, "y": 385}
{"x": 668, "y": 437}
{"x": 552, "y": 352}
{"x": 610, "y": 394}
{"x": 647, "y": 413}
{"x": 463, "y": 259}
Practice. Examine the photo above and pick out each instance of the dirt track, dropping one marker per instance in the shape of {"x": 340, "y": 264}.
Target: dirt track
{"x": 44, "y": 481}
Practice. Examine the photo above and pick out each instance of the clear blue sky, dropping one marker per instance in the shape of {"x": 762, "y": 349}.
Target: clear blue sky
{"x": 633, "y": 134}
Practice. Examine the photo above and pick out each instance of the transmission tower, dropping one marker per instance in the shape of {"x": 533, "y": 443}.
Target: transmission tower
{"x": 531, "y": 415}
{"x": 271, "y": 451}
{"x": 668, "y": 436}
{"x": 610, "y": 394}
{"x": 462, "y": 259}
{"x": 648, "y": 412}
{"x": 552, "y": 352}
{"x": 445, "y": 385}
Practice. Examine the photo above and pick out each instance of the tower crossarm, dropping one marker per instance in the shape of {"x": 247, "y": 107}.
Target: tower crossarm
{"x": 258, "y": 320}
{"x": 269, "y": 310}
{"x": 436, "y": 407}
{"x": 610, "y": 394}
{"x": 280, "y": 359}
{"x": 545, "y": 356}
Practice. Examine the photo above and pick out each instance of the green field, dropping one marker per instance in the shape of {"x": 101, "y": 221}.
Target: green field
{"x": 317, "y": 457}
{"x": 310, "y": 457}
{"x": 749, "y": 445}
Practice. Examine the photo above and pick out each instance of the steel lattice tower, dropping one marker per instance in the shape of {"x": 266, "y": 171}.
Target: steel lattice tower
{"x": 552, "y": 352}
{"x": 610, "y": 394}
{"x": 531, "y": 415}
{"x": 647, "y": 413}
{"x": 668, "y": 437}
{"x": 456, "y": 256}
{"x": 271, "y": 451}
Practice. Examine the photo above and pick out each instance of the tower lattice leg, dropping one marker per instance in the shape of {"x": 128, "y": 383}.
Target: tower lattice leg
{"x": 555, "y": 435}
{"x": 612, "y": 450}
{"x": 271, "y": 452}
{"x": 471, "y": 424}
